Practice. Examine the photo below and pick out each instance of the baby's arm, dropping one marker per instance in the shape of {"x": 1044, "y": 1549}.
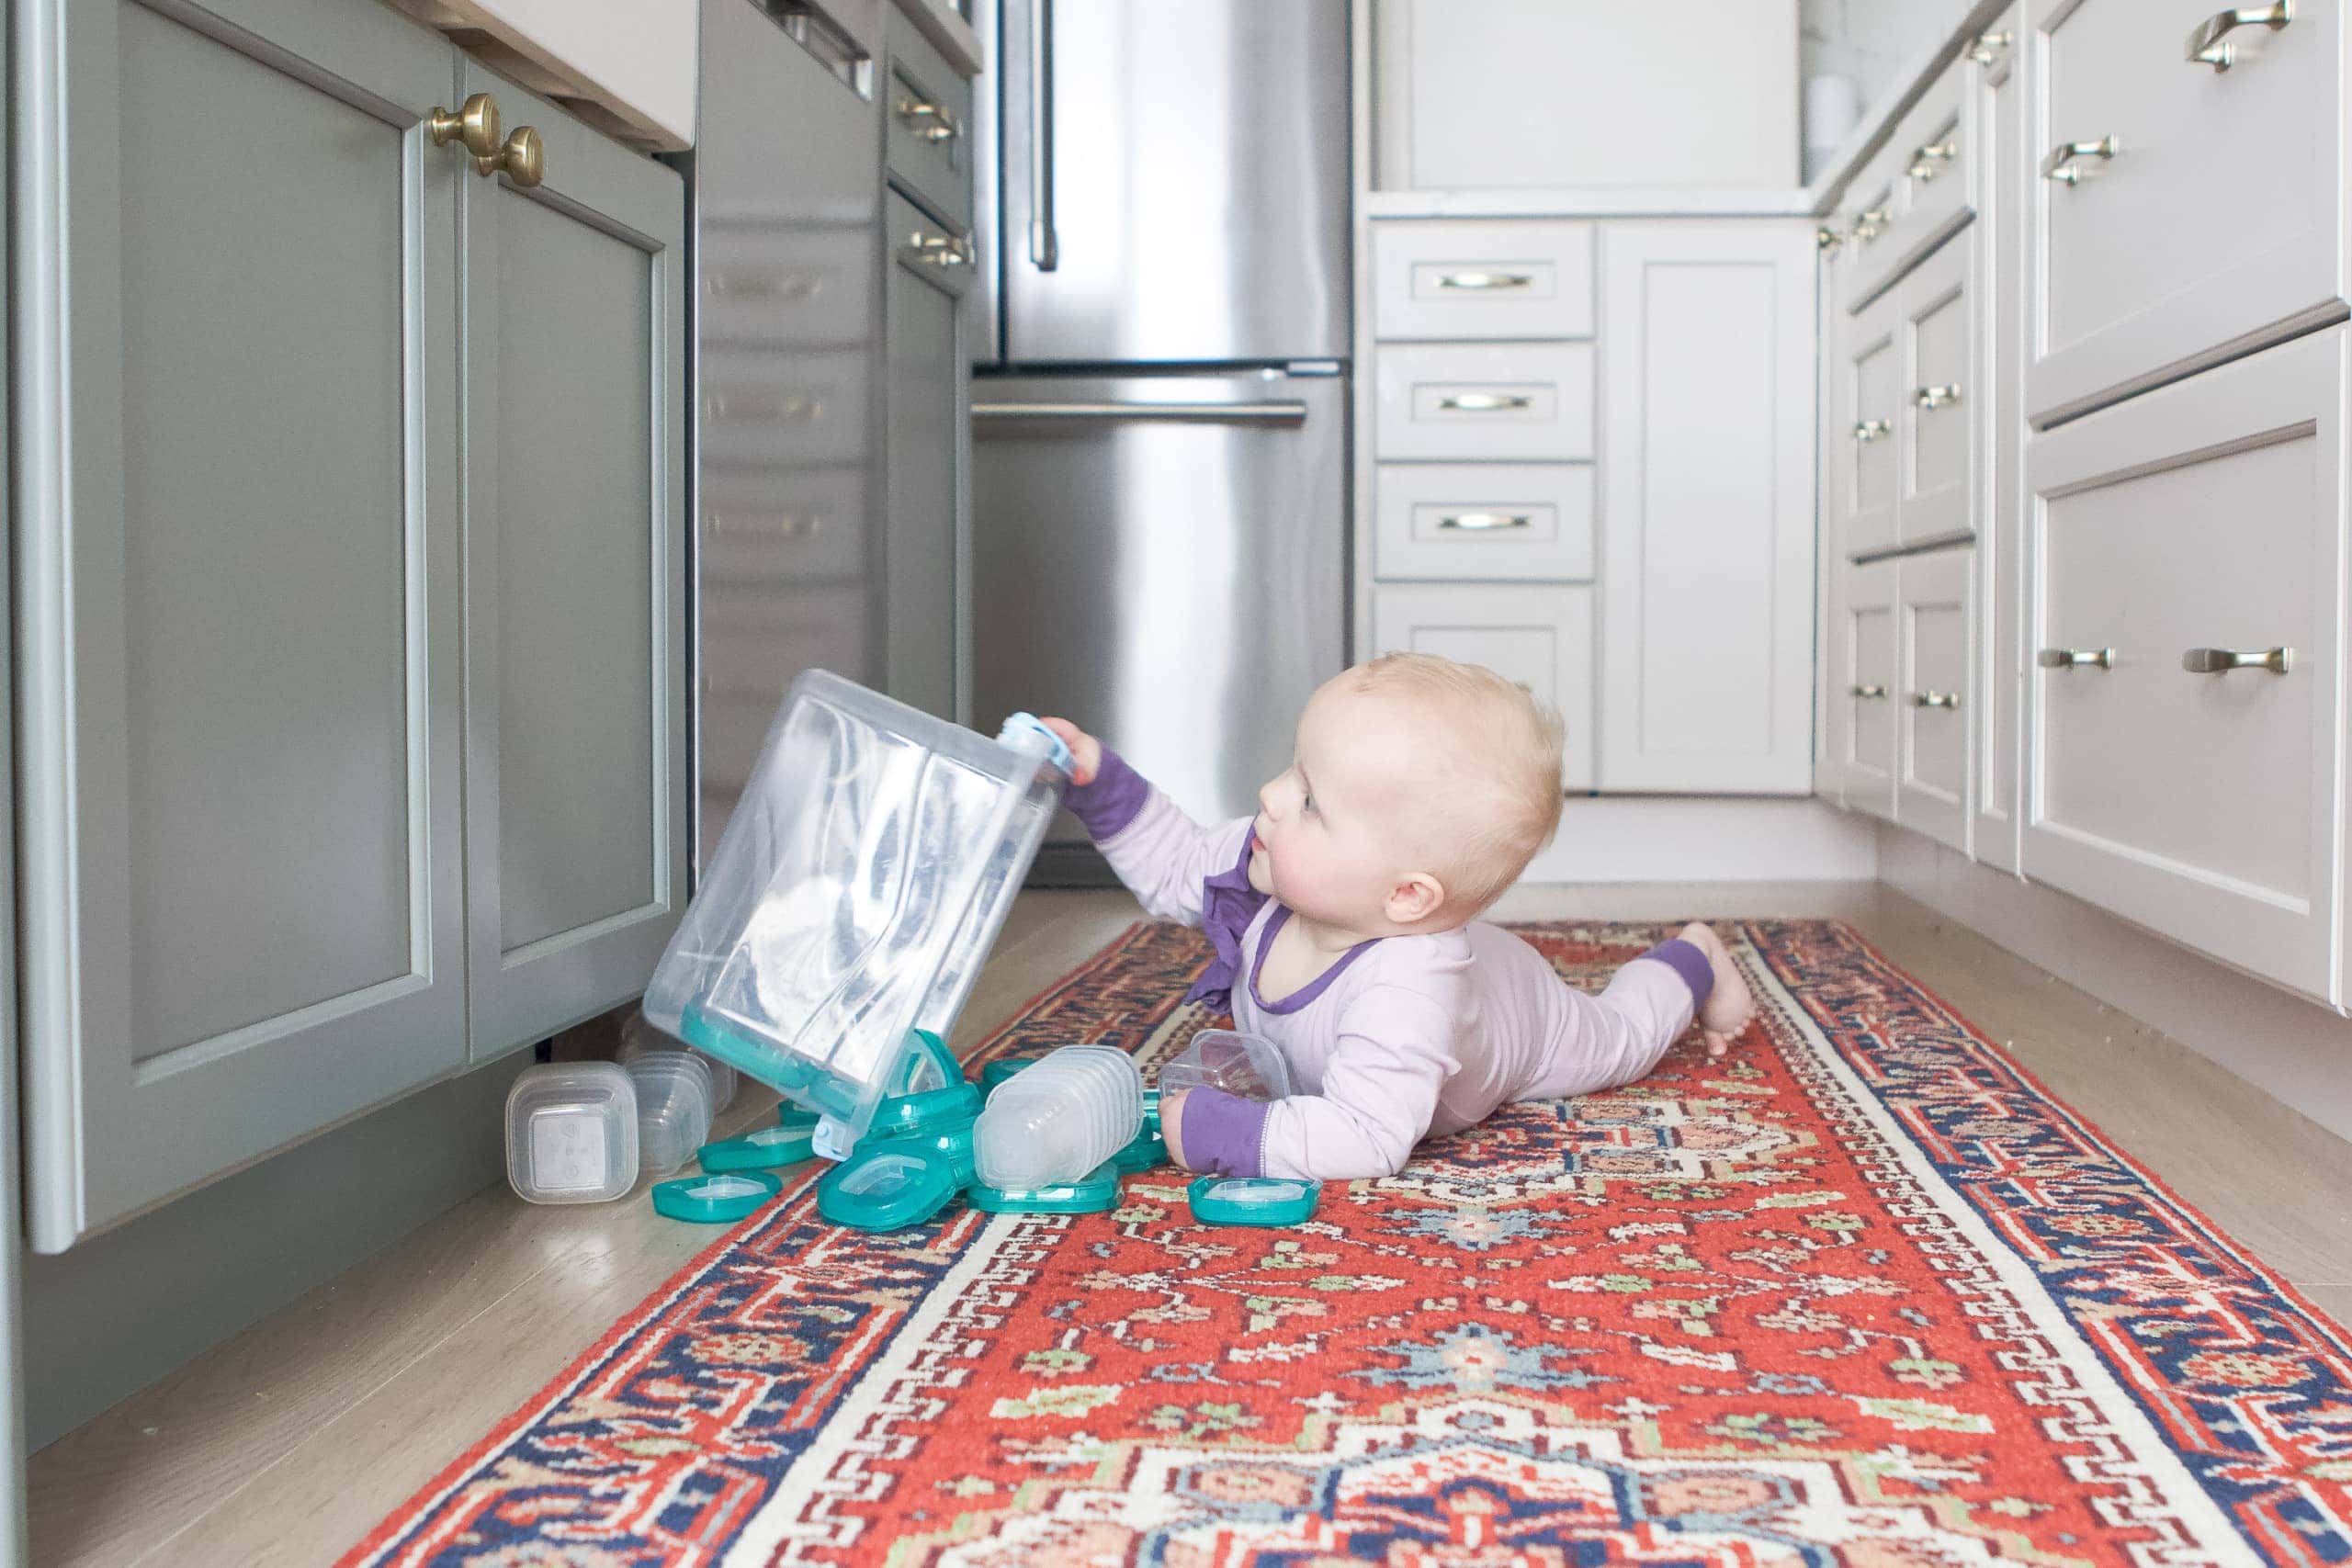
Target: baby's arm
{"x": 1396, "y": 1051}
{"x": 1163, "y": 855}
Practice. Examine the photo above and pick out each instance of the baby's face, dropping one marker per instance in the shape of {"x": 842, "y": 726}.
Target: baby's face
{"x": 1335, "y": 830}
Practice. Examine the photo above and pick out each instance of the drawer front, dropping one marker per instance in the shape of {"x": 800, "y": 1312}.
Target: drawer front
{"x": 1928, "y": 184}
{"x": 1939, "y": 396}
{"x": 769, "y": 410}
{"x": 2216, "y": 217}
{"x": 1531, "y": 402}
{"x": 2203, "y": 516}
{"x": 927, "y": 110}
{"x": 805, "y": 526}
{"x": 1867, "y": 224}
{"x": 1863, "y": 683}
{"x": 1934, "y": 709}
{"x": 1484, "y": 520}
{"x": 1472, "y": 280}
{"x": 1540, "y": 637}
{"x": 1870, "y": 411}
{"x": 767, "y": 284}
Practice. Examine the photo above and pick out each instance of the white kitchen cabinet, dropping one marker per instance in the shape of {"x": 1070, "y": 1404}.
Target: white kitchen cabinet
{"x": 1519, "y": 401}
{"x": 1937, "y": 422}
{"x": 1706, "y": 600}
{"x": 2189, "y": 695}
{"x": 2183, "y": 212}
{"x": 1520, "y": 522}
{"x": 1538, "y": 636}
{"x": 1480, "y": 280}
{"x": 1863, "y": 656}
{"x": 1999, "y": 238}
{"x": 1933, "y": 703}
{"x": 1865, "y": 485}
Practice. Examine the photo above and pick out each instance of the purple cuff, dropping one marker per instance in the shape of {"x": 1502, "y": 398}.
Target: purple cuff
{"x": 1112, "y": 800}
{"x": 1685, "y": 959}
{"x": 1221, "y": 1132}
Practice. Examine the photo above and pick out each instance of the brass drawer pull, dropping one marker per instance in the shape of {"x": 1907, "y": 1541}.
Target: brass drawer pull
{"x": 476, "y": 123}
{"x": 1827, "y": 238}
{"x": 939, "y": 249}
{"x": 2210, "y": 45}
{"x": 1870, "y": 224}
{"x": 1928, "y": 161}
{"x": 1485, "y": 522}
{"x": 1990, "y": 47}
{"x": 2220, "y": 661}
{"x": 1483, "y": 281}
{"x": 1937, "y": 397}
{"x": 928, "y": 121}
{"x": 1866, "y": 691}
{"x": 2062, "y": 163}
{"x": 1935, "y": 699}
{"x": 1872, "y": 429}
{"x": 1486, "y": 402}
{"x": 2076, "y": 658}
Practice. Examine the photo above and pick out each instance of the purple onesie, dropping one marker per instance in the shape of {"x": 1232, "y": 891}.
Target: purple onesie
{"x": 1403, "y": 1037}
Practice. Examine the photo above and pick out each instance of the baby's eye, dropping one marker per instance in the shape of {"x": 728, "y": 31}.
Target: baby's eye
{"x": 1306, "y": 804}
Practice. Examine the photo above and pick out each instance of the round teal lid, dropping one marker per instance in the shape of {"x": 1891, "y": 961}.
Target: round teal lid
{"x": 714, "y": 1199}
{"x": 763, "y": 1148}
{"x": 1090, "y": 1194}
{"x": 1252, "y": 1199}
{"x": 889, "y": 1183}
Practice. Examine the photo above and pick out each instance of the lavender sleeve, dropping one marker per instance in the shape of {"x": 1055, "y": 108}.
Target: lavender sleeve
{"x": 1685, "y": 959}
{"x": 1165, "y": 857}
{"x": 1111, "y": 800}
{"x": 1221, "y": 1133}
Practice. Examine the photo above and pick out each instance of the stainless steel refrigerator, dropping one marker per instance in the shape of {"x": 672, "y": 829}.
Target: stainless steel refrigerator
{"x": 1159, "y": 439}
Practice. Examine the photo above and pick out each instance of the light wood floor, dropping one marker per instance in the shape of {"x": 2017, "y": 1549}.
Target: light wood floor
{"x": 284, "y": 1445}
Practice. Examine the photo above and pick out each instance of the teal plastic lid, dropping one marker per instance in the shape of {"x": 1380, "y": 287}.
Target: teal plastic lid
{"x": 790, "y": 1115}
{"x": 1252, "y": 1199}
{"x": 886, "y": 1185}
{"x": 1090, "y": 1194}
{"x": 714, "y": 1199}
{"x": 1003, "y": 1068}
{"x": 764, "y": 1148}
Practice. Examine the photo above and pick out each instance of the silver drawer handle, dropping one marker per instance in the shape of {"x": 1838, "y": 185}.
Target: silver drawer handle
{"x": 1928, "y": 161}
{"x": 1280, "y": 411}
{"x": 1485, "y": 522}
{"x": 1872, "y": 429}
{"x": 2220, "y": 660}
{"x": 760, "y": 408}
{"x": 1870, "y": 224}
{"x": 2060, "y": 165}
{"x": 939, "y": 249}
{"x": 750, "y": 283}
{"x": 1935, "y": 699}
{"x": 1866, "y": 693}
{"x": 2210, "y": 45}
{"x": 1485, "y": 280}
{"x": 1827, "y": 239}
{"x": 932, "y": 122}
{"x": 1486, "y": 402}
{"x": 1936, "y": 397}
{"x": 1990, "y": 47}
{"x": 2076, "y": 658}
{"x": 791, "y": 525}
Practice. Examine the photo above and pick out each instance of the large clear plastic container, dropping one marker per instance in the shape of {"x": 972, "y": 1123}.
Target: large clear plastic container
{"x": 674, "y": 1108}
{"x": 1058, "y": 1121}
{"x": 571, "y": 1133}
{"x": 861, "y": 880}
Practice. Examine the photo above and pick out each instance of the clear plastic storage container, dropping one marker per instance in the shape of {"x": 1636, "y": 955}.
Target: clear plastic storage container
{"x": 674, "y": 1108}
{"x": 638, "y": 1036}
{"x": 571, "y": 1133}
{"x": 1249, "y": 1066}
{"x": 1059, "y": 1120}
{"x": 854, "y": 894}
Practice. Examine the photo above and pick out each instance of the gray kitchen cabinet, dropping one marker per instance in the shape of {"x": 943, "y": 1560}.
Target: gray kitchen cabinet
{"x": 926, "y": 385}
{"x": 573, "y": 297}
{"x": 238, "y": 691}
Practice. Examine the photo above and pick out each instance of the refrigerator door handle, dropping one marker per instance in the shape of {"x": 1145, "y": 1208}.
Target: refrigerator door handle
{"x": 1276, "y": 411}
{"x": 1045, "y": 245}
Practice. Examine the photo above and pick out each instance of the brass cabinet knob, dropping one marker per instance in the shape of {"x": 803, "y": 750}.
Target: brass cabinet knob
{"x": 522, "y": 158}
{"x": 476, "y": 123}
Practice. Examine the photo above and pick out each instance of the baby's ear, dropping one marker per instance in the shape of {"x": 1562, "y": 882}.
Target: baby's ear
{"x": 1417, "y": 896}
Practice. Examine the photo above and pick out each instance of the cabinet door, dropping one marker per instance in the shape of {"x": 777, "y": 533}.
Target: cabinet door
{"x": 575, "y": 471}
{"x": 1541, "y": 637}
{"x": 1706, "y": 603}
{"x": 928, "y": 436}
{"x": 1870, "y": 387}
{"x": 238, "y": 607}
{"x": 1862, "y": 686}
{"x": 1939, "y": 415}
{"x": 1933, "y": 706}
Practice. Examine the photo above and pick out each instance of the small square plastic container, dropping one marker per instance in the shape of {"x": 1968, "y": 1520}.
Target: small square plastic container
{"x": 861, "y": 880}
{"x": 571, "y": 1133}
{"x": 672, "y": 1108}
{"x": 1249, "y": 1066}
{"x": 638, "y": 1036}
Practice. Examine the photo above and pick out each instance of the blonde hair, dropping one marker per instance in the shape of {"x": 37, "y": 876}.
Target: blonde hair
{"x": 1504, "y": 756}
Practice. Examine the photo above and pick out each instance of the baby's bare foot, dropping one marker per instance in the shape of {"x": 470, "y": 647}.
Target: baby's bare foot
{"x": 1729, "y": 1006}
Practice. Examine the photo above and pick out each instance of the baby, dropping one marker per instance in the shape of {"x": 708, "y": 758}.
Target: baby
{"x": 1343, "y": 917}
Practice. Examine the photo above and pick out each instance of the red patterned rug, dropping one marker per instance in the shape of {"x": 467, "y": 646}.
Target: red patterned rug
{"x": 1863, "y": 1293}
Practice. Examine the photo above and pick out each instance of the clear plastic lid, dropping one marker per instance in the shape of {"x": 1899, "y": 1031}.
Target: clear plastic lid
{"x": 1059, "y": 1120}
{"x": 571, "y": 1133}
{"x": 854, "y": 894}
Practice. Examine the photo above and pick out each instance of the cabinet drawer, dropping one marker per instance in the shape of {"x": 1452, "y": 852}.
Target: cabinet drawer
{"x": 1937, "y": 400}
{"x": 1933, "y": 705}
{"x": 1482, "y": 280}
{"x": 2203, "y": 516}
{"x": 1919, "y": 188}
{"x": 1540, "y": 637}
{"x": 765, "y": 285}
{"x": 802, "y": 527}
{"x": 1865, "y": 226}
{"x": 927, "y": 110}
{"x": 1867, "y": 471}
{"x": 769, "y": 411}
{"x": 1506, "y": 400}
{"x": 2216, "y": 211}
{"x": 1862, "y": 687}
{"x": 1484, "y": 520}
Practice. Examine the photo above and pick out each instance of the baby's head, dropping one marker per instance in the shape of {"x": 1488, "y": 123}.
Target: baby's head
{"x": 1420, "y": 790}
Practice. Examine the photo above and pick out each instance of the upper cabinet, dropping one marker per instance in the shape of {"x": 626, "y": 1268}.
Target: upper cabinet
{"x": 1499, "y": 94}
{"x": 264, "y": 474}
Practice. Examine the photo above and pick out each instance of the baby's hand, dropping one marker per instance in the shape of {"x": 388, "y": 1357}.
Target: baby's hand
{"x": 1085, "y": 752}
{"x": 1171, "y": 1119}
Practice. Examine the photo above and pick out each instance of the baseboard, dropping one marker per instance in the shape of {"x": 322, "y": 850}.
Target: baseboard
{"x": 1668, "y": 837}
{"x": 108, "y": 1317}
{"x": 2293, "y": 1049}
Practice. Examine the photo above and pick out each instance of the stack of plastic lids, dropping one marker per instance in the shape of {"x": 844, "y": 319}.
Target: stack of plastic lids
{"x": 861, "y": 879}
{"x": 1058, "y": 1120}
{"x": 571, "y": 1133}
{"x": 638, "y": 1036}
{"x": 674, "y": 1108}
